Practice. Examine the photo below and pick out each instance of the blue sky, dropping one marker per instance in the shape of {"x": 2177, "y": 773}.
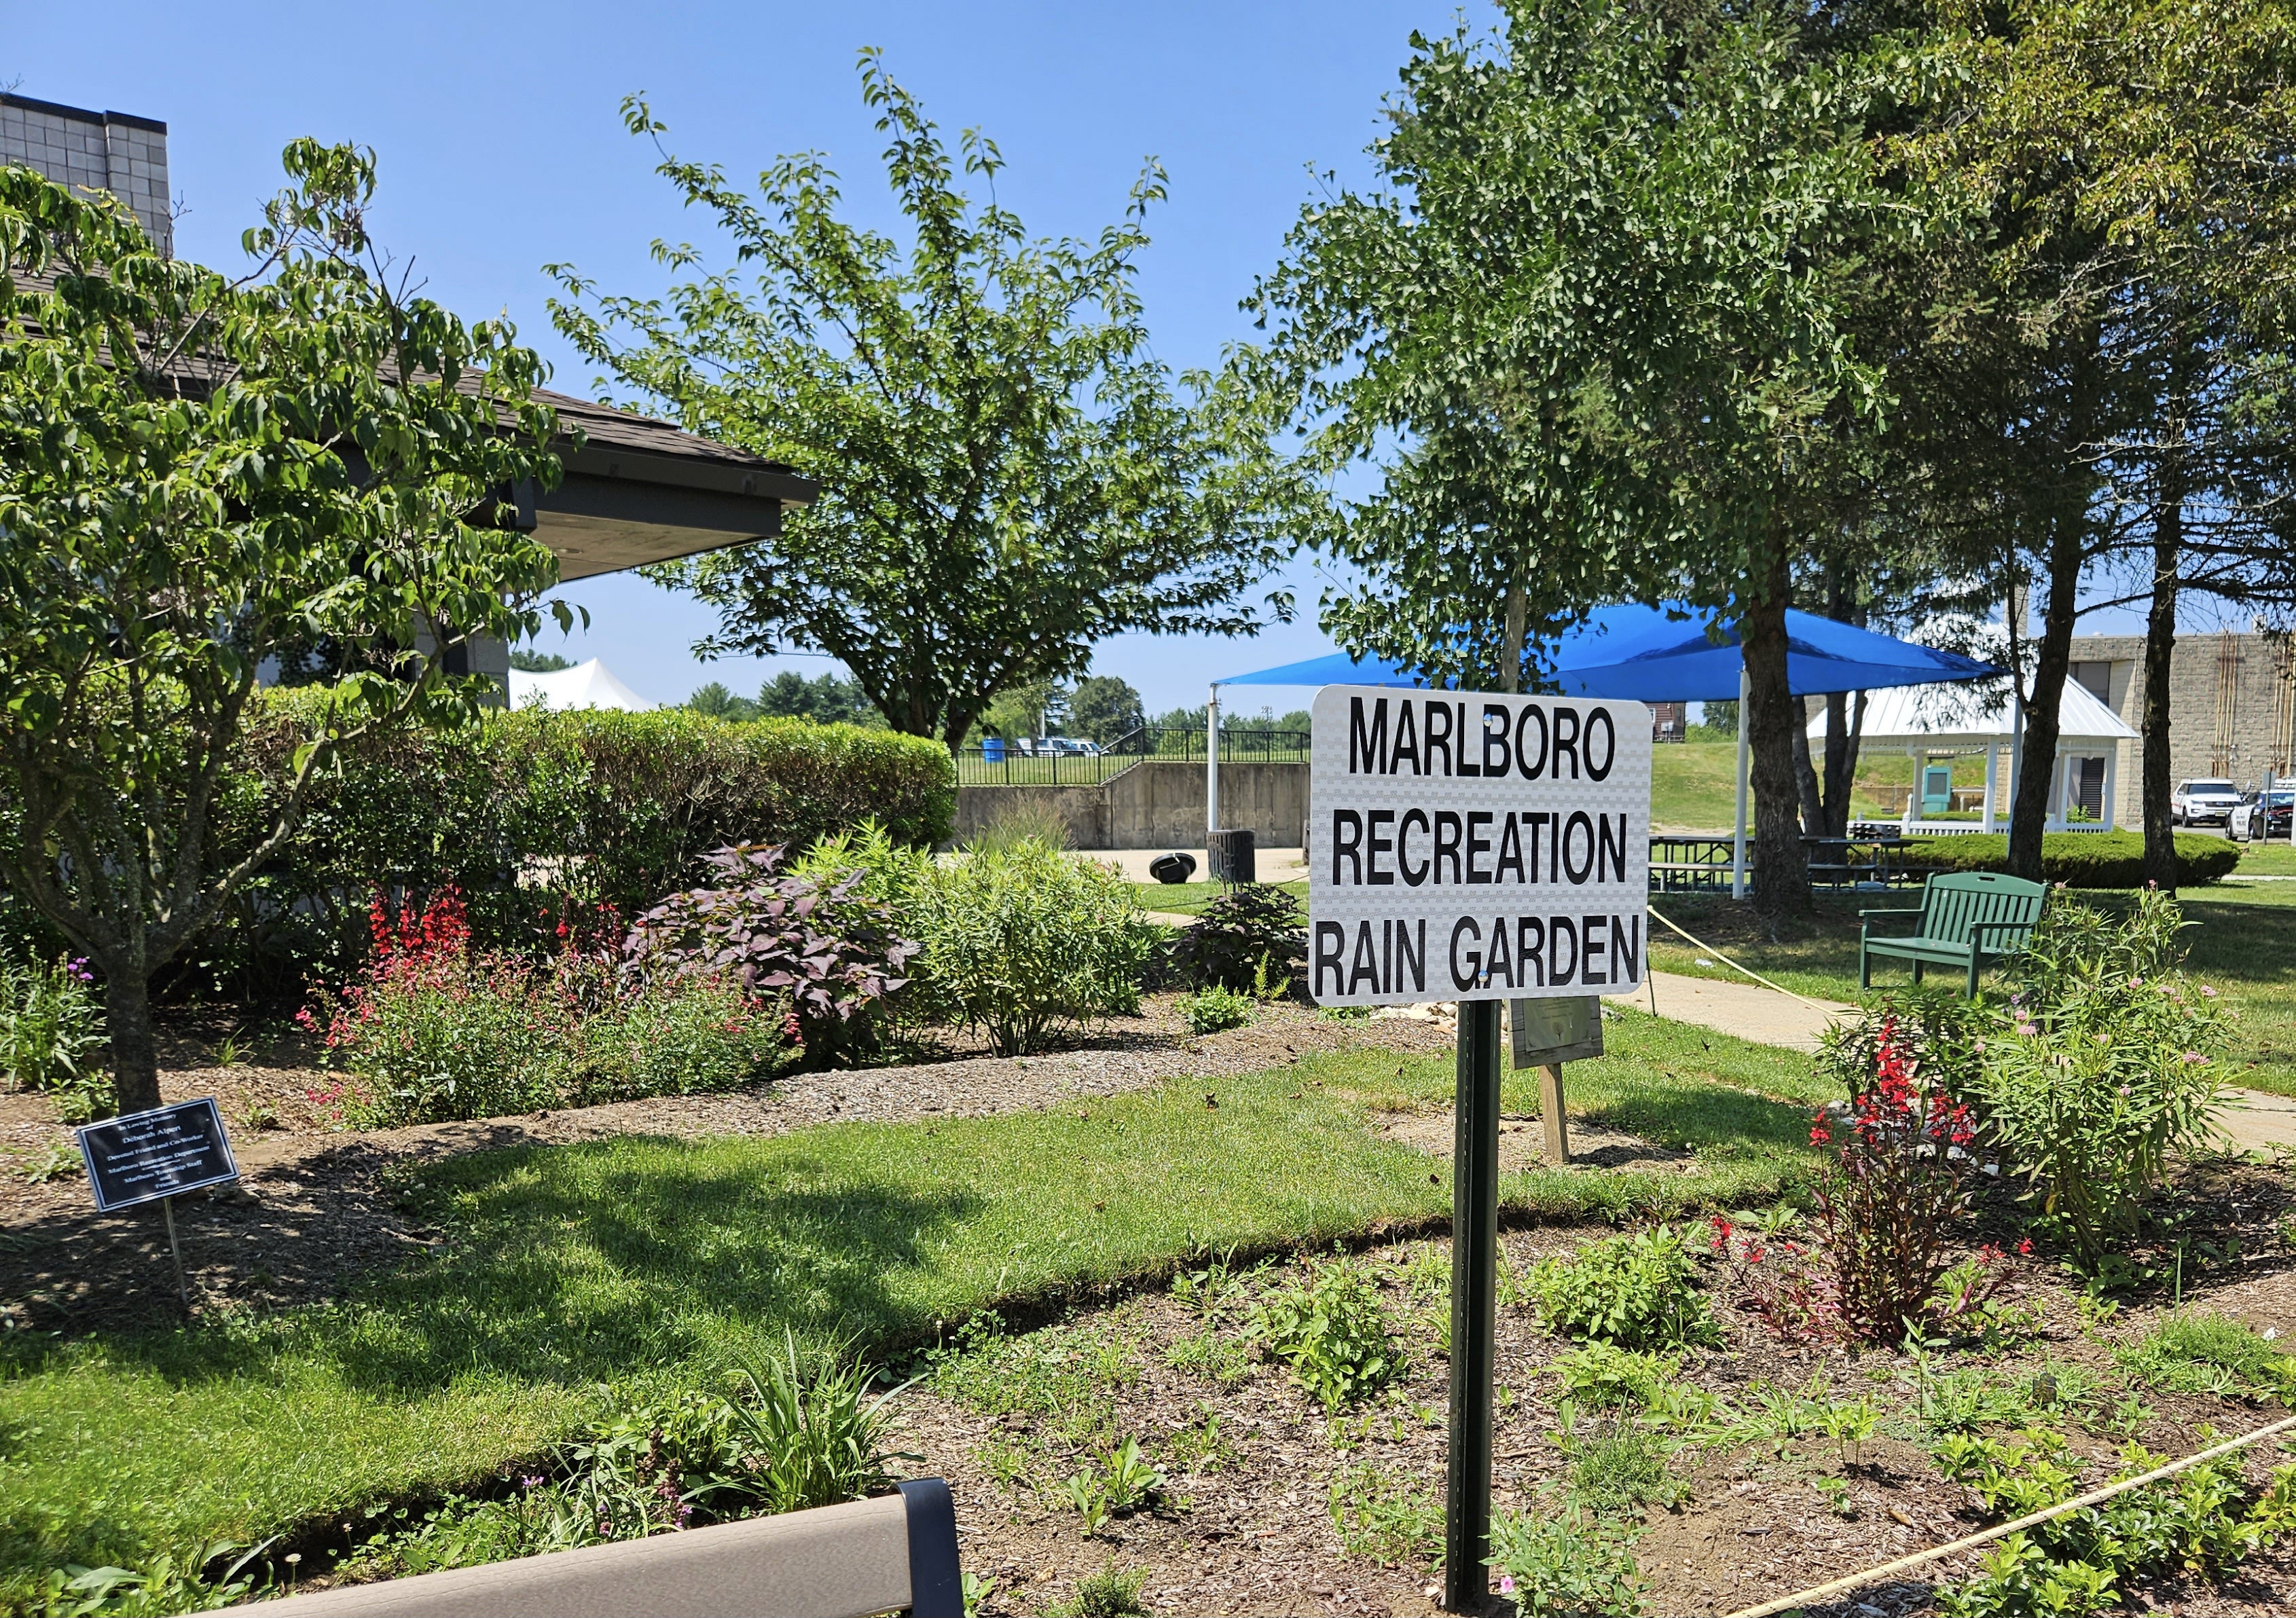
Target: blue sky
{"x": 501, "y": 151}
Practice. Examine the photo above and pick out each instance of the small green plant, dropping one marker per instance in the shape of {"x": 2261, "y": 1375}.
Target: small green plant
{"x": 1602, "y": 1377}
{"x": 1109, "y": 1593}
{"x": 1331, "y": 1329}
{"x": 1635, "y": 1291}
{"x": 809, "y": 1422}
{"x": 1386, "y": 1516}
{"x": 2192, "y": 1352}
{"x": 1343, "y": 1014}
{"x": 57, "y": 1160}
{"x": 977, "y": 1591}
{"x": 1850, "y": 1423}
{"x": 1623, "y": 1471}
{"x": 1208, "y": 1352}
{"x": 51, "y": 1036}
{"x": 1566, "y": 1563}
{"x": 1207, "y": 1290}
{"x": 1123, "y": 1480}
{"x": 1200, "y": 1448}
{"x": 1211, "y": 1010}
{"x": 1835, "y": 1493}
{"x": 1005, "y": 1461}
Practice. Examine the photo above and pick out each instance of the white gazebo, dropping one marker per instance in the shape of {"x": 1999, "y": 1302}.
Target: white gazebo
{"x": 1930, "y": 722}
{"x": 585, "y": 685}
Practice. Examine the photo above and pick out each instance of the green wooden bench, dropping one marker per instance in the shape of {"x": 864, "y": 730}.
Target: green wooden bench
{"x": 1966, "y": 918}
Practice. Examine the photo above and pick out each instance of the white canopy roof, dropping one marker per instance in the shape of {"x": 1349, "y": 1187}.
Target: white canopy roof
{"x": 1945, "y": 716}
{"x": 585, "y": 685}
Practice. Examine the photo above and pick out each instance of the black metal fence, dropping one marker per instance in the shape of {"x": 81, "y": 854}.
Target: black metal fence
{"x": 1059, "y": 761}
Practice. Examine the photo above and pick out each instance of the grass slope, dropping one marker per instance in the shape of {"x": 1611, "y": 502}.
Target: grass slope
{"x": 638, "y": 1263}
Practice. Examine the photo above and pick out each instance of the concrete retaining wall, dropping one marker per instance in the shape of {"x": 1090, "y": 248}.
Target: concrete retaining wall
{"x": 1157, "y": 803}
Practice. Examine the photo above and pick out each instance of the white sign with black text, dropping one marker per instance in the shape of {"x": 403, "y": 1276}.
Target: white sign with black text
{"x": 1472, "y": 846}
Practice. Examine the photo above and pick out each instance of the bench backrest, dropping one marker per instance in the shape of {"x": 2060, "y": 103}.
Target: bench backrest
{"x": 894, "y": 1552}
{"x": 1955, "y": 902}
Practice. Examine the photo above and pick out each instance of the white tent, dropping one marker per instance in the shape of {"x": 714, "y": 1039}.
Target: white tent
{"x": 585, "y": 685}
{"x": 1930, "y": 722}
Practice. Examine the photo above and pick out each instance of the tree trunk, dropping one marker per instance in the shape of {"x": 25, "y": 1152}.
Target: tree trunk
{"x": 1845, "y": 723}
{"x": 2029, "y": 808}
{"x": 2160, "y": 646}
{"x": 1781, "y": 863}
{"x": 1813, "y": 799}
{"x": 135, "y": 1054}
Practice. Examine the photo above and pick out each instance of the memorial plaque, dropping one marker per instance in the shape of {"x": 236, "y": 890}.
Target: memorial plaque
{"x": 161, "y": 1153}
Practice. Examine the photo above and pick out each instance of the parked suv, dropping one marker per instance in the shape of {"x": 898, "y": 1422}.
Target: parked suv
{"x": 2261, "y": 819}
{"x": 2203, "y": 802}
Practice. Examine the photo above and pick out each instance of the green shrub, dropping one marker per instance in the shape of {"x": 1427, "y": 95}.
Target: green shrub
{"x": 1250, "y": 936}
{"x": 1623, "y": 1471}
{"x": 2078, "y": 859}
{"x": 1213, "y": 1009}
{"x": 1331, "y": 1329}
{"x": 2104, "y": 1074}
{"x": 531, "y": 812}
{"x": 51, "y": 1036}
{"x": 1567, "y": 1563}
{"x": 1635, "y": 1291}
{"x": 433, "y": 1030}
{"x": 1021, "y": 941}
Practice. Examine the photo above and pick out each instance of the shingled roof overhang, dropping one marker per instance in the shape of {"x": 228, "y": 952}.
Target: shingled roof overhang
{"x": 638, "y": 490}
{"x": 641, "y": 491}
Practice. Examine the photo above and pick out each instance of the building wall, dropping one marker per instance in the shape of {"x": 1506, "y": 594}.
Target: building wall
{"x": 1156, "y": 804}
{"x": 114, "y": 151}
{"x": 2231, "y": 699}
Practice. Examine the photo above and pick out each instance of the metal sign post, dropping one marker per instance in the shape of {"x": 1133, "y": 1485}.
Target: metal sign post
{"x": 1481, "y": 848}
{"x": 156, "y": 1156}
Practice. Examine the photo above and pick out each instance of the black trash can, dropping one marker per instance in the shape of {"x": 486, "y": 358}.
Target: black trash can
{"x": 1231, "y": 855}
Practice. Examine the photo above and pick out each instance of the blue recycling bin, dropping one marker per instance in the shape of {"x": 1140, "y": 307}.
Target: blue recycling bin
{"x": 992, "y": 749}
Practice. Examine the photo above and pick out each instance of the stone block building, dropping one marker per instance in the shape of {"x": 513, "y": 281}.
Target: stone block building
{"x": 114, "y": 151}
{"x": 2232, "y": 698}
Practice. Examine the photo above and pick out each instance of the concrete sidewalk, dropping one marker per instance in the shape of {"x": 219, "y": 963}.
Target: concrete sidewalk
{"x": 1744, "y": 1008}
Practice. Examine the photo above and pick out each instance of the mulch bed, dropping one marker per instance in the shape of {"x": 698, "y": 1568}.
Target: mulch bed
{"x": 313, "y": 1210}
{"x": 1256, "y": 1534}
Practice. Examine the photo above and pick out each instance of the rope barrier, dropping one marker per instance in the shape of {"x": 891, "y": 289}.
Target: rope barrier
{"x": 1839, "y": 1587}
{"x": 1748, "y": 971}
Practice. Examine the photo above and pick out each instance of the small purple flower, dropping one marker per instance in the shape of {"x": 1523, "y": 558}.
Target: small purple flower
{"x": 2195, "y": 1056}
{"x": 1506, "y": 1584}
{"x": 529, "y": 1482}
{"x": 2207, "y": 993}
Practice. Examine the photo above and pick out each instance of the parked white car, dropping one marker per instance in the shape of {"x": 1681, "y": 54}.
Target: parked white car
{"x": 2203, "y": 802}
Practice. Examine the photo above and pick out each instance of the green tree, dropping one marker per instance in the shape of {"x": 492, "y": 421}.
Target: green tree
{"x": 1606, "y": 325}
{"x": 1103, "y": 707}
{"x": 2126, "y": 159}
{"x": 1007, "y": 472}
{"x": 826, "y": 700}
{"x": 527, "y": 661}
{"x": 195, "y": 473}
{"x": 719, "y": 703}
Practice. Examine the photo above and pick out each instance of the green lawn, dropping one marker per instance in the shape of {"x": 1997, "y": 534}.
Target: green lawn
{"x": 636, "y": 1264}
{"x": 2243, "y": 943}
{"x": 1189, "y": 898}
{"x": 1693, "y": 786}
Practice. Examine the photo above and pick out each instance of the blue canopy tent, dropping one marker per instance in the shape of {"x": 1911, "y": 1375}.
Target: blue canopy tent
{"x": 1652, "y": 654}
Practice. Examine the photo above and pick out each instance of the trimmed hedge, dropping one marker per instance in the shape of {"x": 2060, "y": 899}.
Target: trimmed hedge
{"x": 2079, "y": 859}
{"x": 533, "y": 813}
